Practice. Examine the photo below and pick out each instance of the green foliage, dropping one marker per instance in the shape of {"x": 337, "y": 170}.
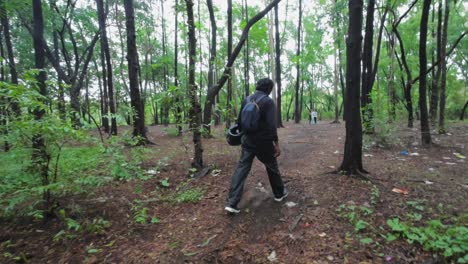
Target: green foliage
{"x": 355, "y": 214}
{"x": 140, "y": 214}
{"x": 189, "y": 196}
{"x": 164, "y": 182}
{"x": 123, "y": 168}
{"x": 449, "y": 239}
{"x": 75, "y": 227}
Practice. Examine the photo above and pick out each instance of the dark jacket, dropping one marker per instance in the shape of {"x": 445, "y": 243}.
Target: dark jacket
{"x": 267, "y": 132}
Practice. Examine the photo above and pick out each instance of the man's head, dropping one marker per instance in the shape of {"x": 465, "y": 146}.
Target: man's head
{"x": 265, "y": 85}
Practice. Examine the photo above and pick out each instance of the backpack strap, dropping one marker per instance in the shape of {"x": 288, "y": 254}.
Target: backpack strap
{"x": 257, "y": 102}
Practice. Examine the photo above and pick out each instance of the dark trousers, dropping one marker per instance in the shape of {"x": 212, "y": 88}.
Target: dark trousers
{"x": 243, "y": 169}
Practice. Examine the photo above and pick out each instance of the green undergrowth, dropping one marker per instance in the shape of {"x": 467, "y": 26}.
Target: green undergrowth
{"x": 449, "y": 238}
{"x": 417, "y": 224}
{"x": 73, "y": 169}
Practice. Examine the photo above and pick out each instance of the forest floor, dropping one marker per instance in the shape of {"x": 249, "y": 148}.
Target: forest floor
{"x": 327, "y": 218}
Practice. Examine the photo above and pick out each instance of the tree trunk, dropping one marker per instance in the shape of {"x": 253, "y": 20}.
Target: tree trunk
{"x": 211, "y": 66}
{"x": 462, "y": 115}
{"x": 352, "y": 158}
{"x": 195, "y": 111}
{"x": 271, "y": 54}
{"x": 391, "y": 79}
{"x": 434, "y": 99}
{"x": 40, "y": 158}
{"x": 408, "y": 85}
{"x": 11, "y": 58}
{"x": 297, "y": 114}
{"x": 105, "y": 95}
{"x": 366, "y": 99}
{"x": 61, "y": 90}
{"x": 246, "y": 56}
{"x": 132, "y": 58}
{"x": 176, "y": 70}
{"x": 425, "y": 132}
{"x": 335, "y": 87}
{"x": 279, "y": 120}
{"x": 107, "y": 71}
{"x": 164, "y": 106}
{"x": 443, "y": 69}
{"x": 229, "y": 51}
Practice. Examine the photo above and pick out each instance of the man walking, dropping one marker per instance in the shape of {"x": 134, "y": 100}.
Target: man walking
{"x": 261, "y": 143}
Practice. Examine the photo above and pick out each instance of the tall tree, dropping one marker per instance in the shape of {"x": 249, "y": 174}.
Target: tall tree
{"x": 229, "y": 51}
{"x": 246, "y": 55}
{"x": 195, "y": 110}
{"x": 434, "y": 95}
{"x": 40, "y": 157}
{"x": 272, "y": 52}
{"x": 297, "y": 113}
{"x": 279, "y": 121}
{"x": 133, "y": 68}
{"x": 352, "y": 158}
{"x": 366, "y": 99}
{"x": 74, "y": 73}
{"x": 164, "y": 106}
{"x": 425, "y": 132}
{"x": 443, "y": 69}
{"x": 109, "y": 98}
{"x": 176, "y": 70}
{"x": 5, "y": 21}
{"x": 213, "y": 48}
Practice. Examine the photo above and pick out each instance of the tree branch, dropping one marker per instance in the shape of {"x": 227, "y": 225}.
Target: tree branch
{"x": 237, "y": 49}
{"x": 438, "y": 61}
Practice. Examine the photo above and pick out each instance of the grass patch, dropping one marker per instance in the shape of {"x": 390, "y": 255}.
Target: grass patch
{"x": 21, "y": 188}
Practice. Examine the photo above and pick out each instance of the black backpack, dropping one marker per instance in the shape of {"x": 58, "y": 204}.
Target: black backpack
{"x": 250, "y": 116}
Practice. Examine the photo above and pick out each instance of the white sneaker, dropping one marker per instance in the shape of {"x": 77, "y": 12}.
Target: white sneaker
{"x": 232, "y": 209}
{"x": 279, "y": 199}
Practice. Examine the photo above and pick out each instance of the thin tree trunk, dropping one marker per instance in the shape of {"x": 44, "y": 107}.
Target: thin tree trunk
{"x": 61, "y": 91}
{"x": 176, "y": 70}
{"x": 105, "y": 96}
{"x": 297, "y": 114}
{"x": 195, "y": 111}
{"x": 164, "y": 106}
{"x": 271, "y": 53}
{"x": 408, "y": 84}
{"x": 352, "y": 158}
{"x": 366, "y": 99}
{"x": 425, "y": 132}
{"x": 11, "y": 58}
{"x": 132, "y": 58}
{"x": 246, "y": 55}
{"x": 211, "y": 66}
{"x": 40, "y": 158}
{"x": 434, "y": 99}
{"x": 279, "y": 121}
{"x": 109, "y": 97}
{"x": 335, "y": 87}
{"x": 391, "y": 79}
{"x": 443, "y": 68}
{"x": 229, "y": 52}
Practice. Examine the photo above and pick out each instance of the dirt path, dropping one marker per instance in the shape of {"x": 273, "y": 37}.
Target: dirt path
{"x": 305, "y": 228}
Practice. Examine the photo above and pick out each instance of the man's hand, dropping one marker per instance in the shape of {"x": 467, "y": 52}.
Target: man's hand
{"x": 277, "y": 150}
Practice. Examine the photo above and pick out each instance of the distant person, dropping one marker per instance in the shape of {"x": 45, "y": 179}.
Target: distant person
{"x": 261, "y": 143}
{"x": 313, "y": 117}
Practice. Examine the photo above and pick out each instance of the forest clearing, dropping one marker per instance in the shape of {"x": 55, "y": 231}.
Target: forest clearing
{"x": 128, "y": 131}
